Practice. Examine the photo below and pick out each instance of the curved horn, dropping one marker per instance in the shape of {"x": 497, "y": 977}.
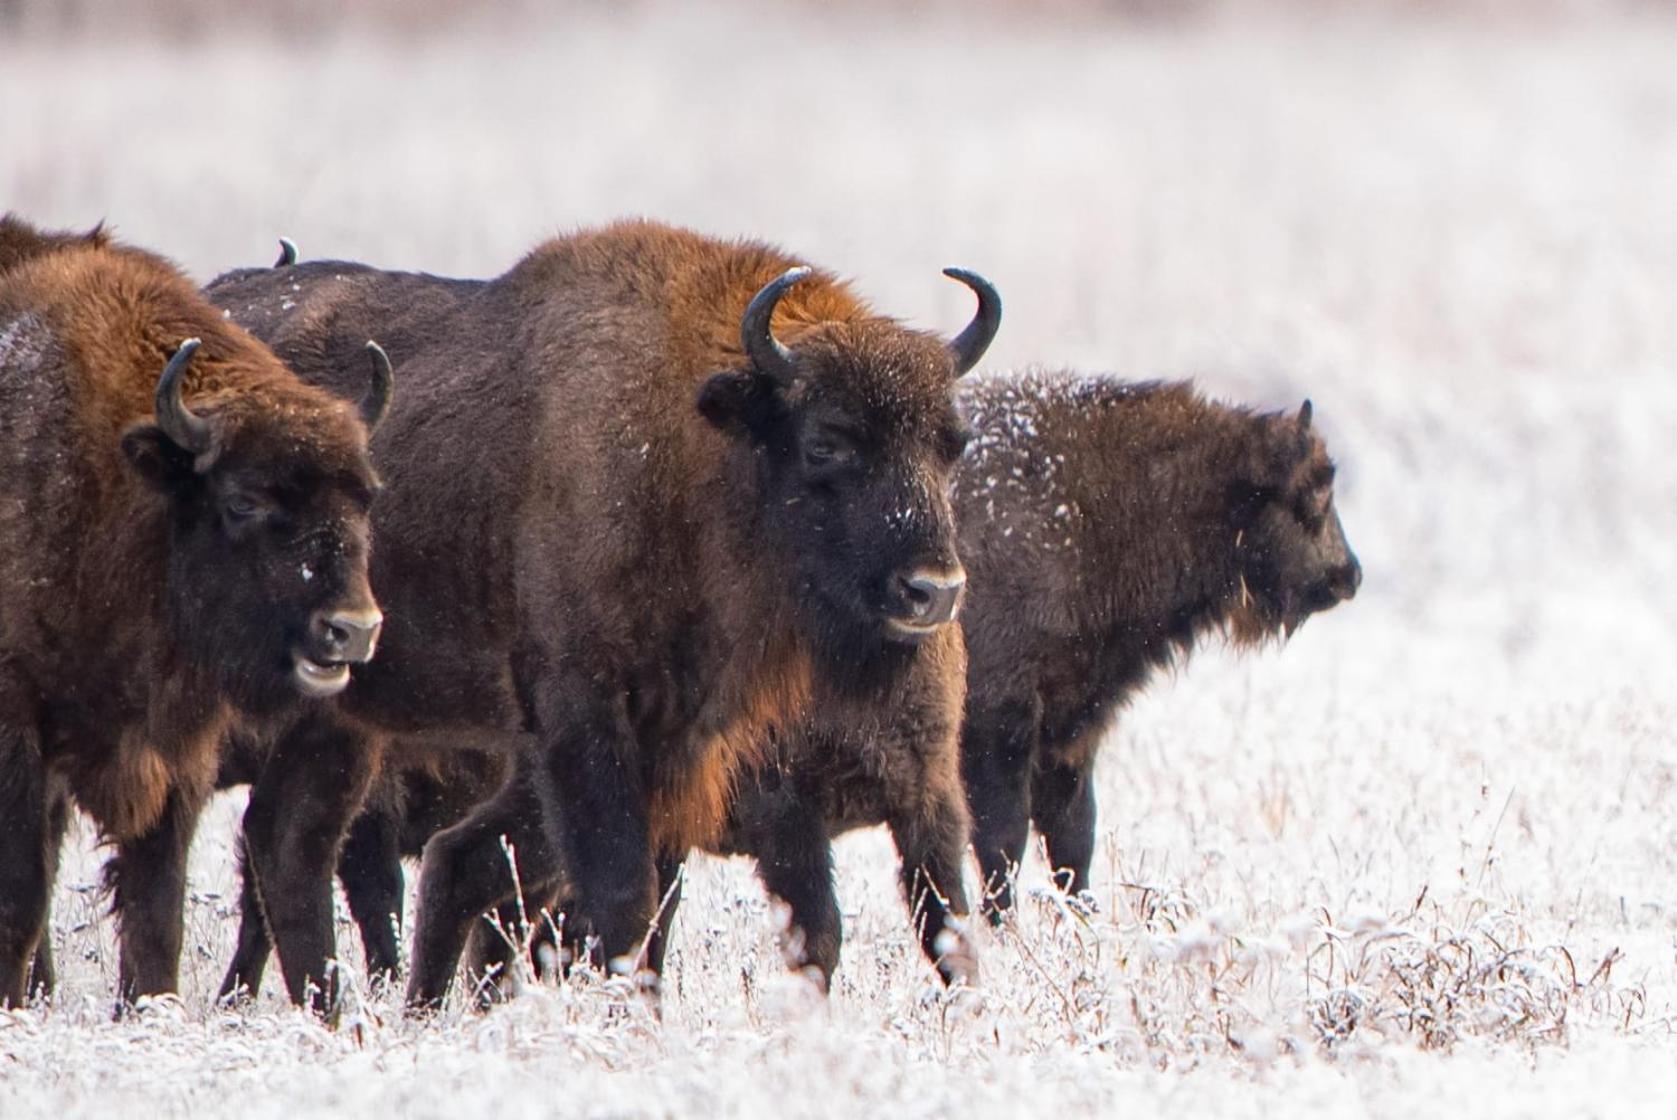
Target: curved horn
{"x": 761, "y": 346}
{"x": 376, "y": 403}
{"x": 190, "y": 432}
{"x": 1305, "y": 413}
{"x": 969, "y": 346}
{"x": 288, "y": 253}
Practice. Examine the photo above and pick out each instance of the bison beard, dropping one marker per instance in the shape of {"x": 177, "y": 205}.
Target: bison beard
{"x": 1108, "y": 526}
{"x": 627, "y": 516}
{"x": 163, "y": 479}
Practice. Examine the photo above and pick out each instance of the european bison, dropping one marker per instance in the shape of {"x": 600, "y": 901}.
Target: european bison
{"x": 651, "y": 495}
{"x": 183, "y": 547}
{"x": 1107, "y": 526}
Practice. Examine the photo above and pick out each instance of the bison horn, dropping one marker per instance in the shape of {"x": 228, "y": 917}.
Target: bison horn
{"x": 192, "y": 433}
{"x": 288, "y": 253}
{"x": 376, "y": 403}
{"x": 969, "y": 346}
{"x": 1305, "y": 413}
{"x": 756, "y": 336}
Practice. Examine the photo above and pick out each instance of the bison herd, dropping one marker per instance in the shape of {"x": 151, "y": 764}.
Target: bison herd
{"x": 655, "y": 542}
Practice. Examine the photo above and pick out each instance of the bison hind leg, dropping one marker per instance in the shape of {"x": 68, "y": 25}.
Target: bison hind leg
{"x": 370, "y": 867}
{"x": 34, "y": 818}
{"x": 250, "y": 955}
{"x": 998, "y": 751}
{"x": 1064, "y": 810}
{"x": 467, "y": 871}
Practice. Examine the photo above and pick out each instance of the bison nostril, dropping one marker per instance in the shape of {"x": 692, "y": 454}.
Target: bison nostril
{"x": 349, "y": 635}
{"x": 932, "y": 598}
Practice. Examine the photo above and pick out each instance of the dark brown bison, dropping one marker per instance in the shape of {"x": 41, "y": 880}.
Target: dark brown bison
{"x": 1107, "y": 526}
{"x": 651, "y": 495}
{"x": 183, "y": 547}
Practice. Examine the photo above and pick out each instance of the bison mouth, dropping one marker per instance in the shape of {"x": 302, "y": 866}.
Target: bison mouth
{"x": 911, "y": 631}
{"x": 318, "y": 679}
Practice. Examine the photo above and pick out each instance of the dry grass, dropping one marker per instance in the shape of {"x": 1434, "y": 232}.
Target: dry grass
{"x": 1429, "y": 847}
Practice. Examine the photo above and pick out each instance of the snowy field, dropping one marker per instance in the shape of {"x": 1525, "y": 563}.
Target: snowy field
{"x": 1422, "y": 861}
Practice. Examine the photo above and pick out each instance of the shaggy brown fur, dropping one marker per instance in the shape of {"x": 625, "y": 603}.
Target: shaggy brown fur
{"x": 21, "y": 242}
{"x": 607, "y": 526}
{"x": 1108, "y": 526}
{"x": 149, "y": 593}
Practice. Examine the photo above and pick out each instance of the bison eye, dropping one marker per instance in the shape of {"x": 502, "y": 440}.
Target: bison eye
{"x": 826, "y": 451}
{"x": 240, "y": 508}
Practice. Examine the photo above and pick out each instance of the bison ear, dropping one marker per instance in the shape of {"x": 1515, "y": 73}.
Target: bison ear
{"x": 741, "y": 403}
{"x": 163, "y": 463}
{"x": 1272, "y": 460}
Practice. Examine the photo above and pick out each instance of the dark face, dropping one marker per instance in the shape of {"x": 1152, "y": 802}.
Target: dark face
{"x": 857, "y": 455}
{"x": 1295, "y": 558}
{"x": 268, "y": 547}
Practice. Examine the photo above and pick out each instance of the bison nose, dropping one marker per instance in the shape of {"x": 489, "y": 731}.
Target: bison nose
{"x": 348, "y": 635}
{"x": 931, "y": 597}
{"x": 1346, "y": 580}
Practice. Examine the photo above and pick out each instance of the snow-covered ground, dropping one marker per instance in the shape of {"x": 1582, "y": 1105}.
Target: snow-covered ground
{"x": 1425, "y": 857}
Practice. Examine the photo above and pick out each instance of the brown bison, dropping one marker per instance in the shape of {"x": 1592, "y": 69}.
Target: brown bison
{"x": 183, "y": 547}
{"x": 650, "y": 496}
{"x": 1107, "y": 526}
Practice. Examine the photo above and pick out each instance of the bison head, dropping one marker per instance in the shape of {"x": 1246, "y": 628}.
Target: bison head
{"x": 856, "y": 437}
{"x": 1294, "y": 559}
{"x": 267, "y": 494}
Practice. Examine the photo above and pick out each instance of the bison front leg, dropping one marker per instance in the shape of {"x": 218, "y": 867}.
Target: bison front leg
{"x": 466, "y": 873}
{"x": 795, "y": 861}
{"x": 148, "y": 880}
{"x": 43, "y": 974}
{"x": 998, "y": 749}
{"x": 300, "y": 807}
{"x": 1063, "y": 806}
{"x": 250, "y": 954}
{"x": 932, "y": 841}
{"x": 26, "y": 864}
{"x": 371, "y": 870}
